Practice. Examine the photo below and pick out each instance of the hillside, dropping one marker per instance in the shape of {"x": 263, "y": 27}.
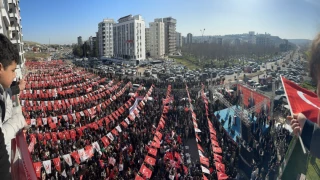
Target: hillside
{"x": 31, "y": 43}
{"x": 300, "y": 41}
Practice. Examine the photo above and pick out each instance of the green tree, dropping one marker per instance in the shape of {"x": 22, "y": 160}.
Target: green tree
{"x": 77, "y": 51}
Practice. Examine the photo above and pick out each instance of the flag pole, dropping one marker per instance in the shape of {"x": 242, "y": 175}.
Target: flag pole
{"x": 285, "y": 91}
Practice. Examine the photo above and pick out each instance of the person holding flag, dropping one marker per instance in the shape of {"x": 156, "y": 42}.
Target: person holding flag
{"x": 306, "y": 123}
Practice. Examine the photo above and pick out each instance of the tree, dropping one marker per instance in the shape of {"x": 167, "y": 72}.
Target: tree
{"x": 77, "y": 51}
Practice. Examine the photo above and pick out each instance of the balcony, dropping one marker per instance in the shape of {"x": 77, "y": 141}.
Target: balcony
{"x": 13, "y": 28}
{"x": 13, "y": 15}
{"x": 15, "y": 41}
{"x": 5, "y": 16}
{"x": 12, "y": 2}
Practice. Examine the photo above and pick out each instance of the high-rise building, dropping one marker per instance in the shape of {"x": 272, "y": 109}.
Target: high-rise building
{"x": 80, "y": 42}
{"x": 219, "y": 41}
{"x": 252, "y": 37}
{"x": 170, "y": 35}
{"x": 129, "y": 38}
{"x": 147, "y": 34}
{"x": 156, "y": 40}
{"x": 184, "y": 40}
{"x": 189, "y": 38}
{"x": 105, "y": 40}
{"x": 10, "y": 26}
{"x": 91, "y": 42}
{"x": 178, "y": 40}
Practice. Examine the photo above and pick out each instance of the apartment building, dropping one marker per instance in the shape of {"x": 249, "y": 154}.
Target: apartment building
{"x": 129, "y": 38}
{"x": 156, "y": 42}
{"x": 10, "y": 26}
{"x": 105, "y": 38}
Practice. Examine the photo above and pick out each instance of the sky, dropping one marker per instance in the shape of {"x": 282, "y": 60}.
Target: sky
{"x": 62, "y": 21}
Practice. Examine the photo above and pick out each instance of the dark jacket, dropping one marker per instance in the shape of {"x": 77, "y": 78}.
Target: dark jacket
{"x": 4, "y": 156}
{"x": 311, "y": 138}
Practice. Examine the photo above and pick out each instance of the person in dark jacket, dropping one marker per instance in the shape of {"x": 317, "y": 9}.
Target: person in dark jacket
{"x": 310, "y": 132}
{"x": 9, "y": 58}
{"x": 16, "y": 87}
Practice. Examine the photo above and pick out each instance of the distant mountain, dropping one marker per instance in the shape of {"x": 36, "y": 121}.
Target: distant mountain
{"x": 300, "y": 41}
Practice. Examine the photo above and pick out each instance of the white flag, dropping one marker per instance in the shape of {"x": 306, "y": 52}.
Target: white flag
{"x": 74, "y": 116}
{"x": 45, "y": 121}
{"x": 205, "y": 170}
{"x": 47, "y": 166}
{"x": 119, "y": 128}
{"x": 55, "y": 120}
{"x": 127, "y": 121}
{"x": 33, "y": 121}
{"x": 82, "y": 154}
{"x": 96, "y": 146}
{"x": 110, "y": 136}
{"x": 65, "y": 117}
{"x": 67, "y": 158}
{"x": 200, "y": 153}
{"x": 64, "y": 173}
{"x": 197, "y": 130}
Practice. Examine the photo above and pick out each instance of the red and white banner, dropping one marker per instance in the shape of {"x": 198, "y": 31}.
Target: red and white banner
{"x": 251, "y": 98}
{"x": 47, "y": 166}
{"x": 67, "y": 159}
{"x": 302, "y": 101}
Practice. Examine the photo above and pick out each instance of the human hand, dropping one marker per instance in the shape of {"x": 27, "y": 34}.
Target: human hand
{"x": 297, "y": 122}
{"x": 22, "y": 84}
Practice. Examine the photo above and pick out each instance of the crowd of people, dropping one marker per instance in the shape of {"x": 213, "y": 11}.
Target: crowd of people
{"x": 85, "y": 129}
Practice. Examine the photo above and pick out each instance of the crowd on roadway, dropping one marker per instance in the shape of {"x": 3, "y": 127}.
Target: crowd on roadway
{"x": 88, "y": 125}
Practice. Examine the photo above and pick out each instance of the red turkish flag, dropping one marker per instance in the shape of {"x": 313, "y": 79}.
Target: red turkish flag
{"x": 302, "y": 100}
{"x": 155, "y": 144}
{"x": 37, "y": 168}
{"x": 105, "y": 141}
{"x": 168, "y": 155}
{"x": 200, "y": 148}
{"x": 198, "y": 137}
{"x": 56, "y": 162}
{"x": 76, "y": 156}
{"x": 54, "y": 136}
{"x": 67, "y": 135}
{"x": 221, "y": 176}
{"x": 73, "y": 134}
{"x": 217, "y": 157}
{"x": 204, "y": 177}
{"x": 159, "y": 135}
{"x": 153, "y": 151}
{"x": 145, "y": 171}
{"x": 115, "y": 132}
{"x": 150, "y": 160}
{"x": 204, "y": 160}
{"x": 216, "y": 149}
{"x": 48, "y": 136}
{"x": 220, "y": 167}
{"x": 215, "y": 143}
{"x": 138, "y": 177}
{"x": 124, "y": 124}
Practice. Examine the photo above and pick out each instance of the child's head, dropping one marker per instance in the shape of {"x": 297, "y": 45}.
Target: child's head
{"x": 9, "y": 58}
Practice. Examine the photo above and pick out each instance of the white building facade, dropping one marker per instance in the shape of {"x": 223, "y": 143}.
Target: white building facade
{"x": 10, "y": 26}
{"x": 105, "y": 38}
{"x": 147, "y": 34}
{"x": 129, "y": 38}
{"x": 170, "y": 35}
{"x": 156, "y": 40}
{"x": 178, "y": 40}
